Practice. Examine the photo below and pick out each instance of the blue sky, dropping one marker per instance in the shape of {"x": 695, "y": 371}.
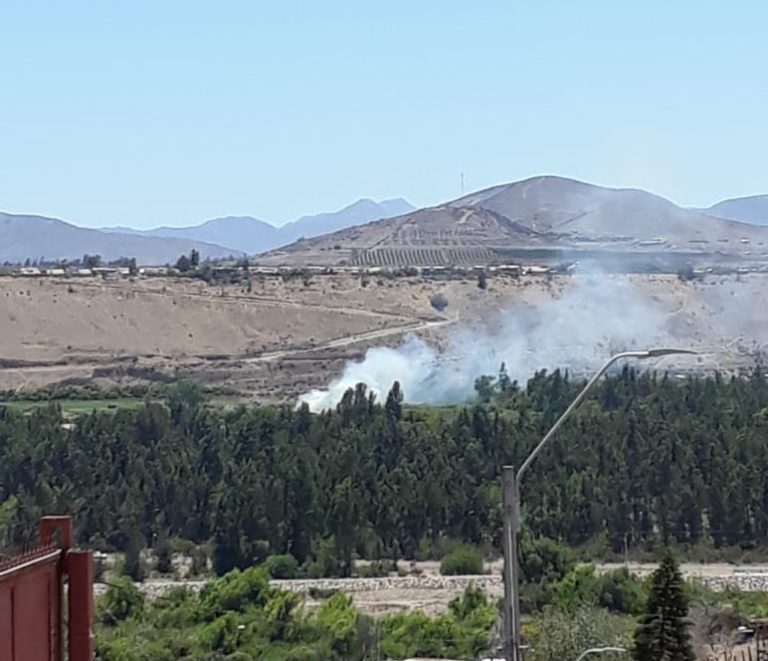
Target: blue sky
{"x": 174, "y": 111}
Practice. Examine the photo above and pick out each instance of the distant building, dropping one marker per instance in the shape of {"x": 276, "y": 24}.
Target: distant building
{"x": 154, "y": 270}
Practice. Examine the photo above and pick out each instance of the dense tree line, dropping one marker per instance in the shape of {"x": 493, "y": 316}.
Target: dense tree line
{"x": 648, "y": 460}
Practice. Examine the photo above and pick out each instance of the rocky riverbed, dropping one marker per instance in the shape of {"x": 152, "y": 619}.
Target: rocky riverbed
{"x": 431, "y": 592}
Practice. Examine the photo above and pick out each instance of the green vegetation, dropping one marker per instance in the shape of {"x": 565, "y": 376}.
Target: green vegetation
{"x": 240, "y": 616}
{"x": 281, "y": 566}
{"x": 556, "y": 635}
{"x": 647, "y": 462}
{"x": 663, "y": 634}
{"x": 75, "y": 399}
{"x": 72, "y": 406}
{"x": 749, "y": 605}
{"x": 463, "y": 560}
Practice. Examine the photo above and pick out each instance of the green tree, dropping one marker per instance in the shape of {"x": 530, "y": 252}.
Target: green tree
{"x": 439, "y": 301}
{"x": 463, "y": 560}
{"x": 194, "y": 258}
{"x": 132, "y": 565}
{"x": 554, "y": 634}
{"x": 163, "y": 553}
{"x": 121, "y": 601}
{"x": 183, "y": 264}
{"x": 663, "y": 633}
{"x": 281, "y": 566}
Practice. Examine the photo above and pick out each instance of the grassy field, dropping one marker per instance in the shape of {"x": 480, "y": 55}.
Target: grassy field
{"x": 75, "y": 406}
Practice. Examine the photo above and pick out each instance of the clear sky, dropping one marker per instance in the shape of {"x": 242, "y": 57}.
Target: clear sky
{"x": 148, "y": 112}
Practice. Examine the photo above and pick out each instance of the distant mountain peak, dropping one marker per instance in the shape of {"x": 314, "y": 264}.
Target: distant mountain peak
{"x": 251, "y": 235}
{"x": 364, "y": 210}
{"x": 752, "y": 209}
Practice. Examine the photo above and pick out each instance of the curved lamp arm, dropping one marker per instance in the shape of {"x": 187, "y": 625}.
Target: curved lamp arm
{"x": 641, "y": 355}
{"x": 600, "y": 650}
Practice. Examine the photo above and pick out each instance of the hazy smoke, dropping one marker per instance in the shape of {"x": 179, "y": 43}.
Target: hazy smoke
{"x": 597, "y": 315}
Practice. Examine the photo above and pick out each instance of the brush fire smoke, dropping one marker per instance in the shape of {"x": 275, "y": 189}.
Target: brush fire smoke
{"x": 598, "y": 315}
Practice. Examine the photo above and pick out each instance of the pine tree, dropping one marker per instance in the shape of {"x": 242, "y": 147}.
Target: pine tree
{"x": 132, "y": 566}
{"x": 164, "y": 553}
{"x": 663, "y": 634}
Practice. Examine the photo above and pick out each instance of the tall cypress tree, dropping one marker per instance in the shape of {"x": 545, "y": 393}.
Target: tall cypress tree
{"x": 663, "y": 633}
{"x": 132, "y": 565}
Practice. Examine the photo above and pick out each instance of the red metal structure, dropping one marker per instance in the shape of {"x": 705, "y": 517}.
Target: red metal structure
{"x": 32, "y": 596}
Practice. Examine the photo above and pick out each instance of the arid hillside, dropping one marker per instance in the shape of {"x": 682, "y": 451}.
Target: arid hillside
{"x": 563, "y": 218}
{"x": 284, "y": 337}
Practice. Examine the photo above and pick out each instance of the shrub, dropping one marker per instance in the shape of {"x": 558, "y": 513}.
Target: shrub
{"x": 618, "y": 591}
{"x": 375, "y": 569}
{"x": 281, "y": 566}
{"x": 463, "y": 560}
{"x": 439, "y": 302}
{"x": 234, "y": 592}
{"x": 121, "y": 601}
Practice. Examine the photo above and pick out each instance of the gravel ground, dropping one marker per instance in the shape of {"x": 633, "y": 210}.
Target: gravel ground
{"x": 430, "y": 592}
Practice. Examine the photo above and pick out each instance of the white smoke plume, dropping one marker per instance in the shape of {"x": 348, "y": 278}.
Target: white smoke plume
{"x": 598, "y": 315}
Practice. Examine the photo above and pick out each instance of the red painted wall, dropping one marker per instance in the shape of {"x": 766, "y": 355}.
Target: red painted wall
{"x": 30, "y": 608}
{"x": 31, "y": 593}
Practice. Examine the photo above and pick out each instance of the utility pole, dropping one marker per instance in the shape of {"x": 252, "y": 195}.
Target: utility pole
{"x": 511, "y": 600}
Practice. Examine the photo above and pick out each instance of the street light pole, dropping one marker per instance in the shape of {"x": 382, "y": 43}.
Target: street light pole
{"x": 511, "y": 506}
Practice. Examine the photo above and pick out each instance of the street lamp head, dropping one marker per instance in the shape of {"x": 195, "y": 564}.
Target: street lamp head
{"x": 657, "y": 353}
{"x": 601, "y": 650}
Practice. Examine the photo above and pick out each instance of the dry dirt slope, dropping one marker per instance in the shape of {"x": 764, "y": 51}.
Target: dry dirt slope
{"x": 284, "y": 337}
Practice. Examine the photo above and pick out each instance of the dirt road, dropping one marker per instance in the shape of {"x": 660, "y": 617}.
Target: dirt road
{"x": 352, "y": 339}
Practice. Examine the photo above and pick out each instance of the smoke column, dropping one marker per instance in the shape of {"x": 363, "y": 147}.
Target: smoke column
{"x": 598, "y": 315}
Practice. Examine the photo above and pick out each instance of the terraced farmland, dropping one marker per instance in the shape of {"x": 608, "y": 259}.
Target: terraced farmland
{"x": 406, "y": 256}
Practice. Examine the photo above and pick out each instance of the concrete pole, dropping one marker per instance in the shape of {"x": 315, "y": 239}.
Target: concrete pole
{"x": 80, "y": 570}
{"x": 511, "y": 579}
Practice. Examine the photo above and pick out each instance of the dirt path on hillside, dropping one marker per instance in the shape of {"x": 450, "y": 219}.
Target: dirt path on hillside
{"x": 82, "y": 369}
{"x": 352, "y": 339}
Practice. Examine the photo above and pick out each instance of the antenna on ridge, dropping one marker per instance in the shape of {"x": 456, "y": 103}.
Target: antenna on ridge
{"x": 462, "y": 183}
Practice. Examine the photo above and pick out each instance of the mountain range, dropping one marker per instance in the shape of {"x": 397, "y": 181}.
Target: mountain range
{"x": 546, "y": 212}
{"x": 37, "y": 237}
{"x": 752, "y": 209}
{"x": 246, "y": 234}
